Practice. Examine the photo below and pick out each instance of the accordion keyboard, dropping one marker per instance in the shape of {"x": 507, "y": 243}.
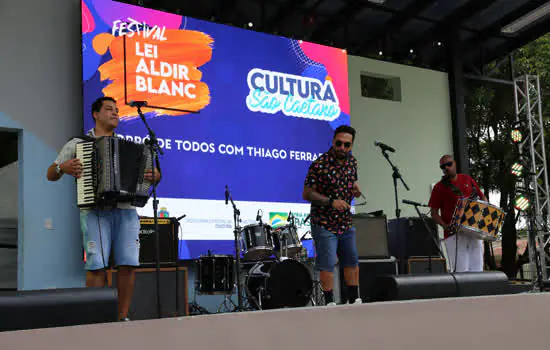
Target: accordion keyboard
{"x": 85, "y": 184}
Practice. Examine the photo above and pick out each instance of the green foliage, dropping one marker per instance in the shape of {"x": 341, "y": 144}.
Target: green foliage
{"x": 490, "y": 112}
{"x": 534, "y": 59}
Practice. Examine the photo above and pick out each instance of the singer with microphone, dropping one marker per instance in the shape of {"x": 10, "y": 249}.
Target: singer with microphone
{"x": 102, "y": 227}
{"x": 465, "y": 253}
{"x": 330, "y": 186}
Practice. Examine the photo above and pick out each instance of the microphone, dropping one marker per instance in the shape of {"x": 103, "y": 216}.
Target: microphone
{"x": 181, "y": 217}
{"x": 406, "y": 201}
{"x": 307, "y": 218}
{"x": 259, "y": 217}
{"x": 138, "y": 103}
{"x": 384, "y": 147}
{"x": 226, "y": 195}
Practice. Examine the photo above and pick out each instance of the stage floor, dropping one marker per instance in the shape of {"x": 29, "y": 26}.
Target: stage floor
{"x": 493, "y": 322}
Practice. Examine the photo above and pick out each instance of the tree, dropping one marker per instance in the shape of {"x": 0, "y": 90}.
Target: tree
{"x": 490, "y": 113}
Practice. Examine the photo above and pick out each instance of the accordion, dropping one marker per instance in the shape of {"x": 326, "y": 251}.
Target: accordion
{"x": 113, "y": 171}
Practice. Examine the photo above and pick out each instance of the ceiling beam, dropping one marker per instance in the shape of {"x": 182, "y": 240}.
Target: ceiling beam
{"x": 471, "y": 46}
{"x": 456, "y": 18}
{"x": 494, "y": 29}
{"x": 285, "y": 10}
{"x": 529, "y": 35}
{"x": 336, "y": 21}
{"x": 395, "y": 23}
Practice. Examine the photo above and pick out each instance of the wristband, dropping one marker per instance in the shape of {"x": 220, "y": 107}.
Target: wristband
{"x": 330, "y": 201}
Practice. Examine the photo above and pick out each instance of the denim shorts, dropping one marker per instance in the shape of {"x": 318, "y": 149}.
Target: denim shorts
{"x": 103, "y": 229}
{"x": 330, "y": 247}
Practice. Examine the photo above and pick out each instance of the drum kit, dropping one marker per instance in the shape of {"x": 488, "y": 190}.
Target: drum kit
{"x": 276, "y": 277}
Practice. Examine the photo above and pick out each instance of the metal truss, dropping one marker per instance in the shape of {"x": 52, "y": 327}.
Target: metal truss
{"x": 532, "y": 150}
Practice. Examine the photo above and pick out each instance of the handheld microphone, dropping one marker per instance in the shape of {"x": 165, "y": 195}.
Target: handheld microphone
{"x": 138, "y": 103}
{"x": 226, "y": 195}
{"x": 383, "y": 146}
{"x": 181, "y": 217}
{"x": 406, "y": 201}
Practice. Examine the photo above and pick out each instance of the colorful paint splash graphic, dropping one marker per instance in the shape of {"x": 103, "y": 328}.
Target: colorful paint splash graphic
{"x": 165, "y": 73}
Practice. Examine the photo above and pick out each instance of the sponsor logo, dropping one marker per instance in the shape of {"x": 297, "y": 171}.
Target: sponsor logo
{"x": 294, "y": 95}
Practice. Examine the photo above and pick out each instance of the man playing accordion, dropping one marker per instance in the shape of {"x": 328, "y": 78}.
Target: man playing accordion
{"x": 116, "y": 226}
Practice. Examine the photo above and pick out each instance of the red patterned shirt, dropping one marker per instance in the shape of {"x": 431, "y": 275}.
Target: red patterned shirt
{"x": 334, "y": 180}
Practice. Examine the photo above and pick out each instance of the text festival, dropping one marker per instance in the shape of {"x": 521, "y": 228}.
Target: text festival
{"x": 294, "y": 95}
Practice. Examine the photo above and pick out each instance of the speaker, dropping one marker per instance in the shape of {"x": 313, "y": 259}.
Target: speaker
{"x": 369, "y": 271}
{"x": 168, "y": 241}
{"x": 407, "y": 287}
{"x": 371, "y": 236}
{"x": 422, "y": 265}
{"x": 408, "y": 237}
{"x": 173, "y": 292}
{"x": 420, "y": 241}
{"x": 57, "y": 308}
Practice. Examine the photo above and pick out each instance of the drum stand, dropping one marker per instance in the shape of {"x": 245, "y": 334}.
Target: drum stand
{"x": 236, "y": 232}
{"x": 227, "y": 304}
{"x": 194, "y": 307}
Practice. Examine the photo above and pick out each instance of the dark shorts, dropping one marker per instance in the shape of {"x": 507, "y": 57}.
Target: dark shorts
{"x": 330, "y": 248}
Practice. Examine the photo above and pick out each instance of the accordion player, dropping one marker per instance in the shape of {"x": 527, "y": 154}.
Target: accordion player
{"x": 113, "y": 171}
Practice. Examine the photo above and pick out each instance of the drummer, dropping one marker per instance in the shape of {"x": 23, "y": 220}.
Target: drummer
{"x": 465, "y": 253}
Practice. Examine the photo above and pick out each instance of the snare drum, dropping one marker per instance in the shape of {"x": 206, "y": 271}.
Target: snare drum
{"x": 215, "y": 274}
{"x": 287, "y": 235}
{"x": 257, "y": 242}
{"x": 478, "y": 219}
{"x": 278, "y": 284}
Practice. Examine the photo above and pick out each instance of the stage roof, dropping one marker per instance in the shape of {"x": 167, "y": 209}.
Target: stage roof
{"x": 402, "y": 31}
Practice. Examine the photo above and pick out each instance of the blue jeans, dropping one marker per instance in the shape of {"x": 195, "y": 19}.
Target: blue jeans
{"x": 329, "y": 247}
{"x": 115, "y": 227}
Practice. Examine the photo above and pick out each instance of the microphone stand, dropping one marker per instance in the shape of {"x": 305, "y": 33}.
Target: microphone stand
{"x": 433, "y": 236}
{"x": 155, "y": 150}
{"x": 396, "y": 175}
{"x": 236, "y": 233}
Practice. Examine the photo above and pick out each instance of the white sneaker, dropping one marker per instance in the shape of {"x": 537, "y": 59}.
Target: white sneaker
{"x": 331, "y": 304}
{"x": 358, "y": 301}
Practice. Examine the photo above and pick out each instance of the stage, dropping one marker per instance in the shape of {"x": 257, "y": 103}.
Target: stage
{"x": 488, "y": 322}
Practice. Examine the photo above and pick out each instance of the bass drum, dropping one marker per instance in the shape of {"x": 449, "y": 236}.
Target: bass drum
{"x": 279, "y": 284}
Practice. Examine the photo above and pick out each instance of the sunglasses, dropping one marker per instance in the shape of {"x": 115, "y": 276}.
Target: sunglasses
{"x": 444, "y": 165}
{"x": 340, "y": 143}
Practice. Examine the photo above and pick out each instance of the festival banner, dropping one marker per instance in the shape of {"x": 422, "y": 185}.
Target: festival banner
{"x": 230, "y": 107}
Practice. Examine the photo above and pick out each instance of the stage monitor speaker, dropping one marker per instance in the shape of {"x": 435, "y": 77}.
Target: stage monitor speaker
{"x": 173, "y": 292}
{"x": 369, "y": 271}
{"x": 371, "y": 236}
{"x": 57, "y": 308}
{"x": 422, "y": 265}
{"x": 168, "y": 241}
{"x": 431, "y": 286}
